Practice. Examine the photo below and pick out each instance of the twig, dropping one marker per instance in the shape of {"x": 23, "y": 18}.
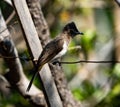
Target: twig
{"x": 85, "y": 61}
{"x": 10, "y": 17}
{"x": 14, "y": 57}
{"x": 9, "y": 26}
{"x": 60, "y": 62}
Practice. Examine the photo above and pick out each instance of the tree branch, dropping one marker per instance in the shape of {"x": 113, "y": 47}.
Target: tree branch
{"x": 3, "y": 84}
{"x": 9, "y": 2}
{"x": 15, "y": 76}
{"x": 118, "y": 2}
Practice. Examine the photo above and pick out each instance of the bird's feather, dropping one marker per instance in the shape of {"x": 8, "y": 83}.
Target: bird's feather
{"x": 48, "y": 53}
{"x": 51, "y": 50}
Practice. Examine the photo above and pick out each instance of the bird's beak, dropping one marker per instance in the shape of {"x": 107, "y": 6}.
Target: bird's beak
{"x": 80, "y": 33}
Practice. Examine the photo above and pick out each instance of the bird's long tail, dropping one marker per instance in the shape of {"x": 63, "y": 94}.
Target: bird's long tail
{"x": 36, "y": 71}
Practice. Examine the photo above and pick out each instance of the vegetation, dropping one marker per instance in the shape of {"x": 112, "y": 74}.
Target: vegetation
{"x": 93, "y": 84}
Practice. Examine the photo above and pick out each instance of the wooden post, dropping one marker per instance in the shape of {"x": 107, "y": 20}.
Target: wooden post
{"x": 35, "y": 48}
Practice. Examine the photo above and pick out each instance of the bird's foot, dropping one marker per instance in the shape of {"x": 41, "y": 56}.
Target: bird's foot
{"x": 56, "y": 62}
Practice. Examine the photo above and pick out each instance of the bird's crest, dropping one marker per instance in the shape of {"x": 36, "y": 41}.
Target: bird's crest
{"x": 71, "y": 27}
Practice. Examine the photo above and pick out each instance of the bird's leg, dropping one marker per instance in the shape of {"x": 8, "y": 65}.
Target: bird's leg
{"x": 35, "y": 61}
{"x": 56, "y": 62}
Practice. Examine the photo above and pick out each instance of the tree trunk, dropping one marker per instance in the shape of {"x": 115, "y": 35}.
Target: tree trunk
{"x": 58, "y": 74}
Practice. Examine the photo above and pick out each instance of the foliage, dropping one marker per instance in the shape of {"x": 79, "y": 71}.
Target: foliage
{"x": 96, "y": 19}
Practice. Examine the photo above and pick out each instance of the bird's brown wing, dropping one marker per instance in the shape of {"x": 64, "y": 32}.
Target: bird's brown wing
{"x": 51, "y": 50}
{"x": 48, "y": 53}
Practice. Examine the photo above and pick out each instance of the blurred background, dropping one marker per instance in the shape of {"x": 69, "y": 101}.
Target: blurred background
{"x": 93, "y": 84}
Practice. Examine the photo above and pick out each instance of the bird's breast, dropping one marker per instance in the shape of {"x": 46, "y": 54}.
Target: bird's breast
{"x": 63, "y": 51}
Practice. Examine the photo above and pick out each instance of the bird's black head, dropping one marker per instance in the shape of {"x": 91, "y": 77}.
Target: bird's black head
{"x": 72, "y": 29}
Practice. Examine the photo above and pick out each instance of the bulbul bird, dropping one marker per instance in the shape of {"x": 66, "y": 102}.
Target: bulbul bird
{"x": 56, "y": 48}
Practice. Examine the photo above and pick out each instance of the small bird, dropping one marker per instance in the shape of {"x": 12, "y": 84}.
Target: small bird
{"x": 56, "y": 48}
